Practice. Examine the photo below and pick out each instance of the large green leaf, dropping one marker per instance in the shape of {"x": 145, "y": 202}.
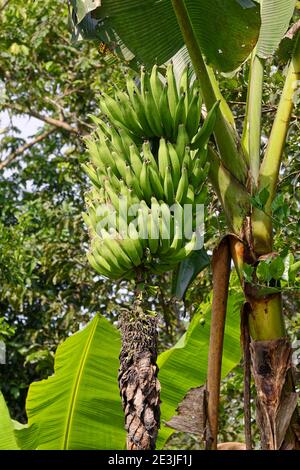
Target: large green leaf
{"x": 185, "y": 365}
{"x": 79, "y": 406}
{"x": 7, "y": 437}
{"x": 276, "y": 16}
{"x": 226, "y": 31}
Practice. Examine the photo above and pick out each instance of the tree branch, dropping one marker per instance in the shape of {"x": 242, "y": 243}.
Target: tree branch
{"x": 24, "y": 147}
{"x": 48, "y": 119}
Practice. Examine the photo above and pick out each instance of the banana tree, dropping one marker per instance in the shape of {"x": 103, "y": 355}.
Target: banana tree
{"x": 221, "y": 36}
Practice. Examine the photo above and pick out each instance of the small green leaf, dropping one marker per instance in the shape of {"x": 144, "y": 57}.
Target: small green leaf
{"x": 263, "y": 196}
{"x": 248, "y": 272}
{"x": 263, "y": 272}
{"x": 294, "y": 270}
{"x": 276, "y": 268}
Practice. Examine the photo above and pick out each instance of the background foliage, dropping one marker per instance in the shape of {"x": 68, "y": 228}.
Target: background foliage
{"x": 47, "y": 289}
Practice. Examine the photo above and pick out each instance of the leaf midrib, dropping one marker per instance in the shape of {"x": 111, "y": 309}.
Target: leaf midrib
{"x": 76, "y": 386}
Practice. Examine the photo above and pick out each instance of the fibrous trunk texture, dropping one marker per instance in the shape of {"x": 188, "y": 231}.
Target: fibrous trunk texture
{"x": 138, "y": 382}
{"x": 276, "y": 408}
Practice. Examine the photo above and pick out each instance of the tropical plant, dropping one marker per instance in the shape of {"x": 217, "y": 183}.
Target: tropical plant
{"x": 243, "y": 174}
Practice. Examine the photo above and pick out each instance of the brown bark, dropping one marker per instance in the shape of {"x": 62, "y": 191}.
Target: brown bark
{"x": 221, "y": 273}
{"x": 138, "y": 383}
{"x": 277, "y": 413}
{"x": 192, "y": 413}
{"x": 245, "y": 336}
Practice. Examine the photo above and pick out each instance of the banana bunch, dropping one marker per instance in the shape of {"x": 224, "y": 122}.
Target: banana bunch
{"x": 152, "y": 242}
{"x": 151, "y": 159}
{"x": 173, "y": 173}
{"x": 156, "y": 109}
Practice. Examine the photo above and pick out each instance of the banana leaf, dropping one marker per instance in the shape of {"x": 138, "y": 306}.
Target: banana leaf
{"x": 79, "y": 407}
{"x": 227, "y": 31}
{"x": 276, "y": 16}
{"x": 7, "y": 437}
{"x": 185, "y": 365}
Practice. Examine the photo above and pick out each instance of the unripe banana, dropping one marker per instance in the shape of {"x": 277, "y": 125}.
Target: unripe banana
{"x": 202, "y": 137}
{"x": 113, "y": 244}
{"x": 165, "y": 113}
{"x": 111, "y": 108}
{"x": 163, "y": 158}
{"x": 182, "y": 185}
{"x": 179, "y": 114}
{"x": 155, "y": 183}
{"x": 139, "y": 107}
{"x": 148, "y": 155}
{"x": 172, "y": 90}
{"x": 93, "y": 150}
{"x": 99, "y": 267}
{"x": 175, "y": 165}
{"x": 193, "y": 117}
{"x": 153, "y": 116}
{"x": 145, "y": 183}
{"x": 156, "y": 85}
{"x": 92, "y": 174}
{"x": 135, "y": 161}
{"x": 184, "y": 252}
{"x": 169, "y": 187}
{"x": 181, "y": 142}
{"x": 185, "y": 88}
{"x": 120, "y": 164}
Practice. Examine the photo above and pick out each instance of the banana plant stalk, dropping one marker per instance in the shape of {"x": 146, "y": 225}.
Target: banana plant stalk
{"x": 235, "y": 175}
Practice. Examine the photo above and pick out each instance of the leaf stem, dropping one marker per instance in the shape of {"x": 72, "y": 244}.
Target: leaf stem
{"x": 225, "y": 136}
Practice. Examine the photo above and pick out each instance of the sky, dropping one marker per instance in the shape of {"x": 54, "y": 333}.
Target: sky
{"x": 27, "y": 125}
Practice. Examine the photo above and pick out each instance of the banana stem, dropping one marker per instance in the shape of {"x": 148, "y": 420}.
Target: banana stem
{"x": 269, "y": 169}
{"x": 224, "y": 134}
{"x": 254, "y": 115}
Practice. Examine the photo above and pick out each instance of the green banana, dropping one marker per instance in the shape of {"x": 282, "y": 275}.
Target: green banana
{"x": 95, "y": 154}
{"x": 169, "y": 187}
{"x": 115, "y": 182}
{"x": 135, "y": 161}
{"x": 175, "y": 165}
{"x": 139, "y": 106}
{"x": 120, "y": 164}
{"x": 185, "y": 88}
{"x": 193, "y": 116}
{"x": 92, "y": 174}
{"x": 99, "y": 266}
{"x": 182, "y": 185}
{"x": 112, "y": 195}
{"x": 152, "y": 114}
{"x": 184, "y": 252}
{"x": 165, "y": 113}
{"x": 133, "y": 182}
{"x": 115, "y": 247}
{"x": 179, "y": 114}
{"x": 114, "y": 110}
{"x": 130, "y": 117}
{"x": 202, "y": 137}
{"x": 187, "y": 160}
{"x": 163, "y": 158}
{"x": 145, "y": 183}
{"x": 172, "y": 90}
{"x": 148, "y": 155}
{"x": 181, "y": 142}
{"x": 156, "y": 85}
{"x": 155, "y": 183}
